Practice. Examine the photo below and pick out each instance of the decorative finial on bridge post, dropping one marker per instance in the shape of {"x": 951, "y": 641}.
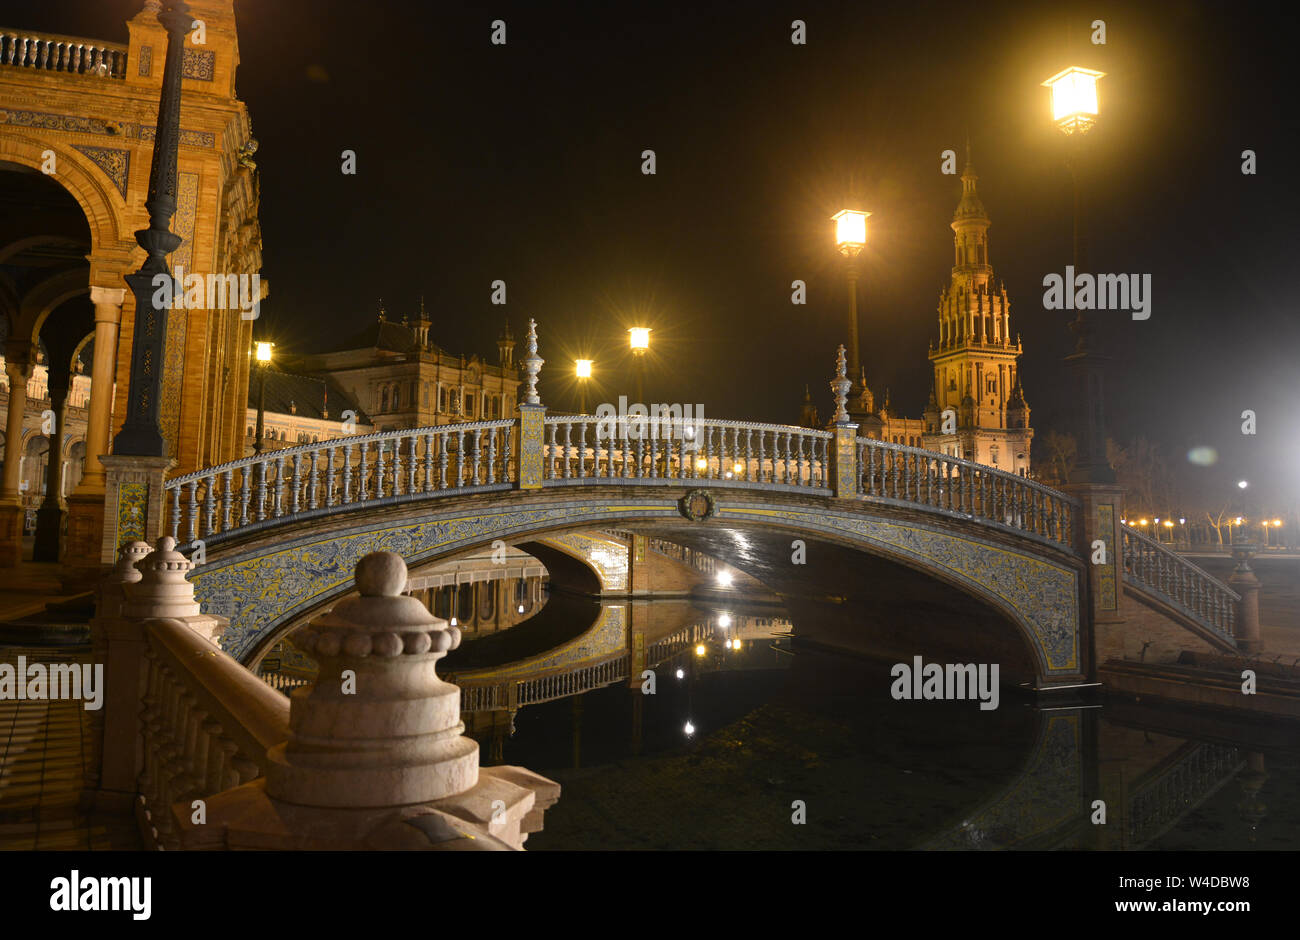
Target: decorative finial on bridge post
{"x": 532, "y": 365}
{"x": 840, "y": 386}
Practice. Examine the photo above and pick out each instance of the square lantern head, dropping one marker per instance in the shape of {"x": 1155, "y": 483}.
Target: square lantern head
{"x": 584, "y": 368}
{"x": 639, "y": 337}
{"x": 264, "y": 352}
{"x": 850, "y": 230}
{"x": 1074, "y": 98}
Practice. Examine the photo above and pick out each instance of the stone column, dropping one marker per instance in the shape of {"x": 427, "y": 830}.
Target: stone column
{"x": 83, "y": 550}
{"x": 1244, "y": 582}
{"x": 18, "y": 369}
{"x": 49, "y": 517}
{"x": 1099, "y": 541}
{"x": 108, "y": 317}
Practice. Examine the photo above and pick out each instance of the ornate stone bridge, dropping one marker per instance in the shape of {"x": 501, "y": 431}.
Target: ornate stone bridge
{"x": 278, "y": 536}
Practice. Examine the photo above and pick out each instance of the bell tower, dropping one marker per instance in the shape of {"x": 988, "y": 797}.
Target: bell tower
{"x": 976, "y": 375}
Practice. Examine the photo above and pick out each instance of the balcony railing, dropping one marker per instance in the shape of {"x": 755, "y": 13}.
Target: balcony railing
{"x": 49, "y": 52}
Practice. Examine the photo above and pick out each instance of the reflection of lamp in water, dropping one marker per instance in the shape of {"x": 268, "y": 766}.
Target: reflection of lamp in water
{"x": 724, "y": 578}
{"x": 724, "y": 620}
{"x": 689, "y": 729}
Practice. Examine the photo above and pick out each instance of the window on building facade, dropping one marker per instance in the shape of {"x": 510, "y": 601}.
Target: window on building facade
{"x": 383, "y": 399}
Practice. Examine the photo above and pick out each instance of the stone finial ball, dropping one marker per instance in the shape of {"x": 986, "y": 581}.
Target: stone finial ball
{"x": 381, "y": 574}
{"x": 166, "y": 543}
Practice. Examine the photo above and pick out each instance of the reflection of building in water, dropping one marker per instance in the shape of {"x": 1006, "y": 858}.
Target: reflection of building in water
{"x": 485, "y": 592}
{"x": 481, "y": 594}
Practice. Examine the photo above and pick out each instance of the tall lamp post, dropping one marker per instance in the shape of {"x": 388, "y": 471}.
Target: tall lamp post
{"x": 263, "y": 356}
{"x": 1074, "y": 110}
{"x": 639, "y": 339}
{"x": 582, "y": 368}
{"x": 850, "y": 239}
{"x": 140, "y": 434}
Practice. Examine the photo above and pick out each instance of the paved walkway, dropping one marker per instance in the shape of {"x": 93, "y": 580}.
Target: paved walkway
{"x": 46, "y": 749}
{"x": 27, "y": 588}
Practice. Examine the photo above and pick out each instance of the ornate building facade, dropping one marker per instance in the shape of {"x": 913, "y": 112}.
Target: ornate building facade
{"x": 977, "y": 407}
{"x": 77, "y": 120}
{"x": 400, "y": 378}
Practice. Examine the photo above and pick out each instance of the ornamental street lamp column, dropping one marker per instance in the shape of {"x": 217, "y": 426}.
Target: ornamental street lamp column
{"x": 1098, "y": 536}
{"x": 133, "y": 499}
{"x": 844, "y": 456}
{"x": 851, "y": 238}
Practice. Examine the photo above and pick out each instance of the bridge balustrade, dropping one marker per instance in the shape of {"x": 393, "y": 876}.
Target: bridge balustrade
{"x": 1179, "y": 583}
{"x": 489, "y": 693}
{"x": 904, "y": 475}
{"x": 312, "y": 479}
{"x": 69, "y": 54}
{"x": 206, "y": 724}
{"x": 671, "y": 450}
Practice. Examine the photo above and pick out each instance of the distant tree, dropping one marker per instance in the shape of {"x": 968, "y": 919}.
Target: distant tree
{"x": 1057, "y": 455}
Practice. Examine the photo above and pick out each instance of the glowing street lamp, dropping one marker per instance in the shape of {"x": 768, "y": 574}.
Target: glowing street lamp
{"x": 850, "y": 239}
{"x": 582, "y": 368}
{"x": 262, "y": 353}
{"x": 639, "y": 340}
{"x": 1075, "y": 110}
{"x": 1074, "y": 98}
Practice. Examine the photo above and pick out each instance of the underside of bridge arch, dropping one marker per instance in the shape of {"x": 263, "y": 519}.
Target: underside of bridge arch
{"x": 852, "y": 599}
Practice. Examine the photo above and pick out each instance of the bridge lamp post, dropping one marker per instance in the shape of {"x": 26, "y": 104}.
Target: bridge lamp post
{"x": 1075, "y": 109}
{"x": 850, "y": 239}
{"x": 639, "y": 340}
{"x": 582, "y": 368}
{"x": 262, "y": 354}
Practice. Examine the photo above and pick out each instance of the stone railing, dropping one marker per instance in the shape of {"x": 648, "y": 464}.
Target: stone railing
{"x": 283, "y": 681}
{"x": 212, "y": 757}
{"x": 488, "y": 693}
{"x": 1157, "y": 803}
{"x": 911, "y": 476}
{"x": 53, "y": 53}
{"x": 1176, "y": 581}
{"x": 314, "y": 479}
{"x": 208, "y": 723}
{"x": 705, "y": 564}
{"x": 583, "y": 449}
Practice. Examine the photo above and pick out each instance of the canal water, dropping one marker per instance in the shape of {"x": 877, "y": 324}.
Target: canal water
{"x": 773, "y": 746}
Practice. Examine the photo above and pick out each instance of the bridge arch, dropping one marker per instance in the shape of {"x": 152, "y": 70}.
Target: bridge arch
{"x": 262, "y": 581}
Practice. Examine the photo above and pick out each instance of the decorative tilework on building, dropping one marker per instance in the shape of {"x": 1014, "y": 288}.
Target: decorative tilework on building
{"x": 199, "y": 64}
{"x": 116, "y": 164}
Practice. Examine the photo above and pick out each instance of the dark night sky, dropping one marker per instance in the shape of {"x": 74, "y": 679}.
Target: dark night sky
{"x": 522, "y": 163}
